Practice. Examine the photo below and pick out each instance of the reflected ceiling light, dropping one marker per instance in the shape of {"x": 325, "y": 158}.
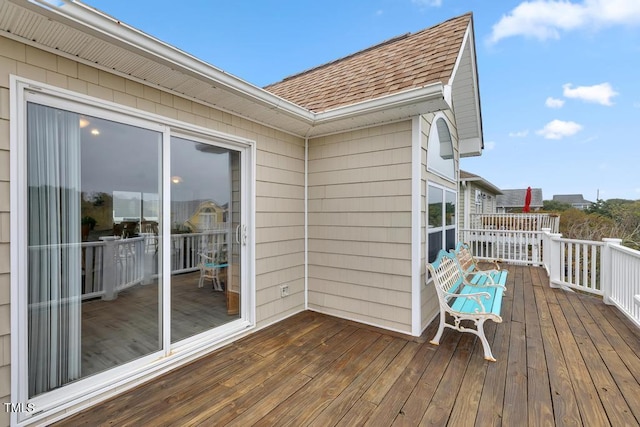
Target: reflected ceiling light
{"x": 95, "y": 132}
{"x": 83, "y": 123}
{"x": 176, "y": 179}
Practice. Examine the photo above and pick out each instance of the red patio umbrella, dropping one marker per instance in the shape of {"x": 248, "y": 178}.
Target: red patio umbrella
{"x": 527, "y": 201}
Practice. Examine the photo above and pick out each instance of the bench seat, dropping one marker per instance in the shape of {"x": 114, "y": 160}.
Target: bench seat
{"x": 489, "y": 301}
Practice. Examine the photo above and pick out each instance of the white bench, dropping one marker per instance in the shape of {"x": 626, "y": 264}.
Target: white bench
{"x": 477, "y": 299}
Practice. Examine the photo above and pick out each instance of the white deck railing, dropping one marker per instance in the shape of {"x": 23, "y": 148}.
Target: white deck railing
{"x": 515, "y": 221}
{"x": 512, "y": 246}
{"x": 603, "y": 268}
{"x": 622, "y": 285}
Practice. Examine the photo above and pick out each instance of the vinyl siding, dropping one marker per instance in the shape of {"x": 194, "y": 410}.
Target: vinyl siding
{"x": 360, "y": 225}
{"x": 279, "y": 179}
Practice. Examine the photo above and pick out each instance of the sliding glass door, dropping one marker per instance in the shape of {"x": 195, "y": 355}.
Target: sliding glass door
{"x": 134, "y": 248}
{"x": 205, "y": 208}
{"x": 93, "y": 292}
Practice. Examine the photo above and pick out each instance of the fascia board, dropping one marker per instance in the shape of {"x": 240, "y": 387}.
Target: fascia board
{"x": 397, "y": 100}
{"x": 469, "y": 40}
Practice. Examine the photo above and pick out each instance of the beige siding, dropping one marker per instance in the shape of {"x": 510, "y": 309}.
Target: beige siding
{"x": 428, "y": 298}
{"x": 360, "y": 225}
{"x": 10, "y": 54}
{"x": 279, "y": 178}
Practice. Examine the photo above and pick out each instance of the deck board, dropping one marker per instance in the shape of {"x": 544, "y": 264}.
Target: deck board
{"x": 562, "y": 359}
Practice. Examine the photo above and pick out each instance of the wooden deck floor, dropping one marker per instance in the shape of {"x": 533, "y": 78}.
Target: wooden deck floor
{"x": 563, "y": 359}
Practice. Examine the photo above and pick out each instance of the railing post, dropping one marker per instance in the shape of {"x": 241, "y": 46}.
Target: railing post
{"x": 109, "y": 268}
{"x": 148, "y": 252}
{"x": 606, "y": 268}
{"x": 555, "y": 259}
{"x": 545, "y": 248}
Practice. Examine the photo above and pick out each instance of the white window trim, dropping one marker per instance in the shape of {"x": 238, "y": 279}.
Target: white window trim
{"x": 55, "y": 404}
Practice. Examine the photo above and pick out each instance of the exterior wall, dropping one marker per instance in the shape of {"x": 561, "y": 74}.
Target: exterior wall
{"x": 279, "y": 175}
{"x": 359, "y": 186}
{"x": 468, "y": 206}
{"x": 428, "y": 299}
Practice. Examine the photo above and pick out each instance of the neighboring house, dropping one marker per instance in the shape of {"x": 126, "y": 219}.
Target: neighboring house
{"x": 340, "y": 183}
{"x": 575, "y": 200}
{"x": 476, "y": 196}
{"x": 512, "y": 201}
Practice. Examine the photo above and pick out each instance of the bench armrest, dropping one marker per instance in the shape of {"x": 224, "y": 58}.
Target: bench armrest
{"x": 489, "y": 283}
{"x": 476, "y": 296}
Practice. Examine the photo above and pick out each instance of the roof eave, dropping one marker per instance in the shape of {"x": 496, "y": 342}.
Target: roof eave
{"x": 91, "y": 21}
{"x": 259, "y": 105}
{"x": 388, "y": 108}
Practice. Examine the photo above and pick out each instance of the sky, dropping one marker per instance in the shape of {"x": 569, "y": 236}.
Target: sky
{"x": 559, "y": 80}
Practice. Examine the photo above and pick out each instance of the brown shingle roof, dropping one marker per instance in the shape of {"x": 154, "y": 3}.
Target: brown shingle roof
{"x": 405, "y": 62}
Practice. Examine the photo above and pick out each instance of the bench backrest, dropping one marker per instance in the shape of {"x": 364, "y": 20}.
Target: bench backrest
{"x": 465, "y": 258}
{"x": 445, "y": 273}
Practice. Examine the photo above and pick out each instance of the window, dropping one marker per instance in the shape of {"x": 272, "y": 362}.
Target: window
{"x": 441, "y": 232}
{"x": 440, "y": 155}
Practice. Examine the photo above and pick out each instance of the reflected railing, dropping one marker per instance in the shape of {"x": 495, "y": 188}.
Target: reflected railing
{"x": 114, "y": 264}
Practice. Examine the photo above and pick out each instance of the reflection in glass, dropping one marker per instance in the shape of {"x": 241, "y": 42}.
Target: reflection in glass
{"x": 435, "y": 207}
{"x": 204, "y": 282}
{"x": 450, "y": 208}
{"x": 93, "y": 285}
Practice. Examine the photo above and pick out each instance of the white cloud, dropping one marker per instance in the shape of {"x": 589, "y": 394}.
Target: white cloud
{"x": 600, "y": 94}
{"x": 519, "y": 134}
{"x": 554, "y": 103}
{"x": 489, "y": 145}
{"x": 558, "y": 129}
{"x": 543, "y": 19}
{"x": 636, "y": 105}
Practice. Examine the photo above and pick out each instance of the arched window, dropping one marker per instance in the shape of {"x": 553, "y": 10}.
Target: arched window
{"x": 440, "y": 156}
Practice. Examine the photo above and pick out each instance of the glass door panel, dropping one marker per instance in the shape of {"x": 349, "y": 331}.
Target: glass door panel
{"x": 94, "y": 288}
{"x": 205, "y": 208}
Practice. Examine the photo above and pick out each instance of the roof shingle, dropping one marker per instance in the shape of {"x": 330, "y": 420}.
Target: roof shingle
{"x": 405, "y": 62}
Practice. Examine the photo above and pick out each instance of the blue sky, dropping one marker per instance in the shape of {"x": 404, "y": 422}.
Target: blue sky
{"x": 559, "y": 80}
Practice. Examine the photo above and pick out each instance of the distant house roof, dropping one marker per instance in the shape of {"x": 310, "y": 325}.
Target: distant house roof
{"x": 515, "y": 198}
{"x": 479, "y": 181}
{"x": 571, "y": 199}
{"x": 405, "y": 62}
